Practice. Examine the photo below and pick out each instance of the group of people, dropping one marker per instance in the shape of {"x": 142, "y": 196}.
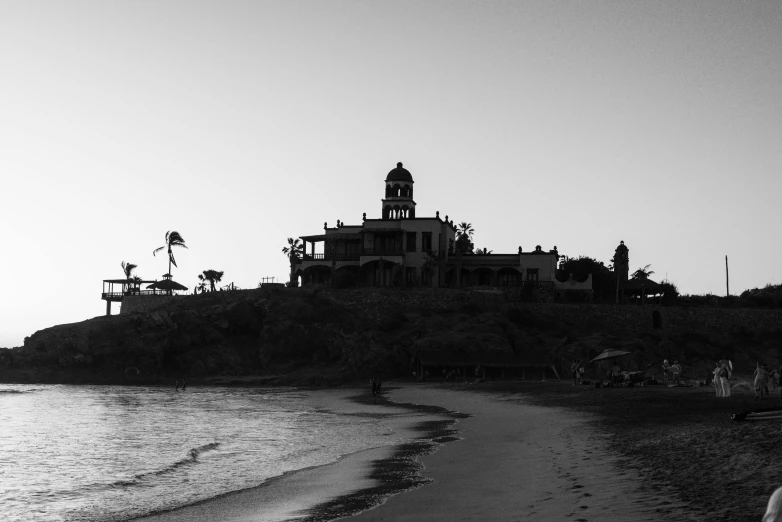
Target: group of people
{"x": 763, "y": 377}
{"x": 675, "y": 369}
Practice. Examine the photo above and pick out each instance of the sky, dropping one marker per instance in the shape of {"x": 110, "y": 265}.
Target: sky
{"x": 240, "y": 124}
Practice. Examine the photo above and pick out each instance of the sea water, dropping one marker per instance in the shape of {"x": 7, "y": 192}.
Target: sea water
{"x": 112, "y": 453}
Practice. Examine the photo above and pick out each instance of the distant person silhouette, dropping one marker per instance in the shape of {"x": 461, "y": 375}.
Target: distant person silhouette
{"x": 184, "y": 384}
{"x": 177, "y": 385}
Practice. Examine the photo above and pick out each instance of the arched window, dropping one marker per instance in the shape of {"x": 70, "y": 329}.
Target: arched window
{"x": 389, "y": 191}
{"x": 387, "y": 212}
{"x": 397, "y": 190}
{"x": 396, "y": 211}
{"x": 405, "y": 211}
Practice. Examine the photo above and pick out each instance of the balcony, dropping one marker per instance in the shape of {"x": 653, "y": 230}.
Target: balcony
{"x": 330, "y": 257}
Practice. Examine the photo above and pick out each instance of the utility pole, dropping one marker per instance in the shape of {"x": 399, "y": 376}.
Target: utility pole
{"x": 727, "y": 281}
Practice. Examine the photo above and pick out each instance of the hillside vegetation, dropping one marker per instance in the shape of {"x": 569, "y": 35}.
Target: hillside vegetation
{"x": 329, "y": 336}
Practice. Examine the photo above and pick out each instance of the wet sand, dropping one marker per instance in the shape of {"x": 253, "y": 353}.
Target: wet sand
{"x": 518, "y": 461}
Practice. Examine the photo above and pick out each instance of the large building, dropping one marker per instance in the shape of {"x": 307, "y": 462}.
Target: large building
{"x": 403, "y": 249}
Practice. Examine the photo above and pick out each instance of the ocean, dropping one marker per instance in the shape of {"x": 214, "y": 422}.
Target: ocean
{"x": 115, "y": 453}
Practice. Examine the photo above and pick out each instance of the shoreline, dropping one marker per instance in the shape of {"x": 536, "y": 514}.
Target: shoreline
{"x": 366, "y": 478}
{"x": 521, "y": 461}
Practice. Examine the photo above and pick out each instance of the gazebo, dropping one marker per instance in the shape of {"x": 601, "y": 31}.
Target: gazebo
{"x": 130, "y": 287}
{"x": 114, "y": 290}
{"x": 638, "y": 289}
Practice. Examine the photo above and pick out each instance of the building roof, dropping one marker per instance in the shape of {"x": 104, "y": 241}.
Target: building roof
{"x": 399, "y": 174}
{"x": 645, "y": 283}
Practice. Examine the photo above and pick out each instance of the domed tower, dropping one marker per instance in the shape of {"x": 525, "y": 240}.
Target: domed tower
{"x": 398, "y": 203}
{"x": 621, "y": 262}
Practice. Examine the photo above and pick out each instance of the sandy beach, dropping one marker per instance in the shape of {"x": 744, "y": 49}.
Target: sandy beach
{"x": 538, "y": 451}
{"x": 518, "y": 461}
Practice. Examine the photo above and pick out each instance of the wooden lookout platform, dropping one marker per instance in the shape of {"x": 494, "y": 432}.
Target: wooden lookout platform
{"x": 114, "y": 290}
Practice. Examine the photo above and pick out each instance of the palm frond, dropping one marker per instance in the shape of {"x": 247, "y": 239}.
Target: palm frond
{"x": 158, "y": 250}
{"x": 174, "y": 238}
{"x": 173, "y": 261}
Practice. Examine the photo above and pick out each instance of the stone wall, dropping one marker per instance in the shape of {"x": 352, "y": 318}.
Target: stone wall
{"x": 379, "y": 303}
{"x": 674, "y": 319}
{"x": 144, "y": 303}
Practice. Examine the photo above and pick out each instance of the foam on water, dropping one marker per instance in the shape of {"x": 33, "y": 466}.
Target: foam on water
{"x": 99, "y": 453}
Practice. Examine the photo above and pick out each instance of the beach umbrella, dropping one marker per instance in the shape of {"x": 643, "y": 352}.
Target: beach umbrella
{"x": 610, "y": 354}
{"x": 167, "y": 284}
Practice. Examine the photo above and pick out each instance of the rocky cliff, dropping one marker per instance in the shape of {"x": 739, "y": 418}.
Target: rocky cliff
{"x": 329, "y": 336}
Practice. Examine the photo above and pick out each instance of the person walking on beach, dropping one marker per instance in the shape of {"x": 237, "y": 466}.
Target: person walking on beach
{"x": 184, "y": 384}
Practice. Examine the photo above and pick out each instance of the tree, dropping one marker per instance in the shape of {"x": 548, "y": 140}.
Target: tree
{"x": 464, "y": 232}
{"x": 294, "y": 249}
{"x": 210, "y": 276}
{"x": 173, "y": 239}
{"x": 603, "y": 280}
{"x": 128, "y": 269}
{"x": 642, "y": 273}
{"x": 484, "y": 251}
{"x": 431, "y": 261}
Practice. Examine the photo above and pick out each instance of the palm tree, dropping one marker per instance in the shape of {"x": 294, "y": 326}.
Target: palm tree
{"x": 294, "y": 249}
{"x": 464, "y": 245}
{"x": 643, "y": 273}
{"x": 128, "y": 269}
{"x": 173, "y": 239}
{"x": 464, "y": 242}
{"x": 212, "y": 276}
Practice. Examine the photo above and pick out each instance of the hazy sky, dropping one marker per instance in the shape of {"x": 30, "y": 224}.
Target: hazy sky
{"x": 239, "y": 124}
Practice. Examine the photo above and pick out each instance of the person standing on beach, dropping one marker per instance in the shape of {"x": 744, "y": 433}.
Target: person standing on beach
{"x": 716, "y": 380}
{"x": 677, "y": 369}
{"x": 665, "y": 372}
{"x": 761, "y": 378}
{"x": 724, "y": 375}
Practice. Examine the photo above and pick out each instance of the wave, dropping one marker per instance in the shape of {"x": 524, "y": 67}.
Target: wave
{"x": 15, "y": 392}
{"x": 192, "y": 458}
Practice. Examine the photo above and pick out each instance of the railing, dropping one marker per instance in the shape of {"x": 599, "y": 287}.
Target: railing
{"x": 113, "y": 295}
{"x": 331, "y": 257}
